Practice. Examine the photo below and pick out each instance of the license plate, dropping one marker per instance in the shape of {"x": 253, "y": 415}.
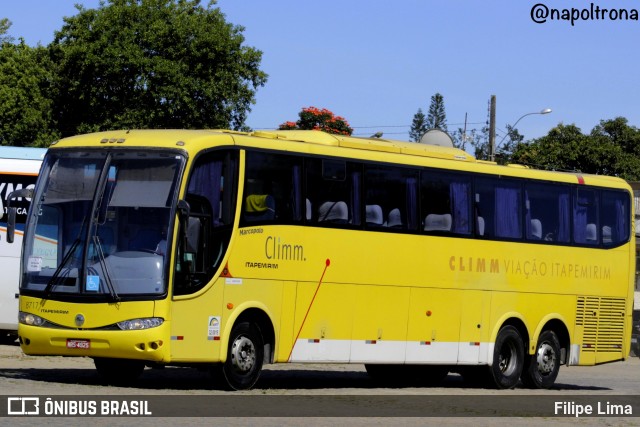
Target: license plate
{"x": 81, "y": 344}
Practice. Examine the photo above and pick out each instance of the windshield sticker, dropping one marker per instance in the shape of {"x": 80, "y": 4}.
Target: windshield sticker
{"x": 213, "y": 332}
{"x": 92, "y": 283}
{"x": 34, "y": 264}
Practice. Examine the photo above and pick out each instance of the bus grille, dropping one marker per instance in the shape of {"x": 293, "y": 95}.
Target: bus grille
{"x": 602, "y": 321}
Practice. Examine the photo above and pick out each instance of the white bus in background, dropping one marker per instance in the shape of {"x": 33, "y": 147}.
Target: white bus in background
{"x": 19, "y": 167}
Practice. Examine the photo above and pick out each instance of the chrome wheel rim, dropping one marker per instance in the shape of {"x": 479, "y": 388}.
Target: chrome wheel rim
{"x": 507, "y": 359}
{"x": 243, "y": 354}
{"x": 546, "y": 359}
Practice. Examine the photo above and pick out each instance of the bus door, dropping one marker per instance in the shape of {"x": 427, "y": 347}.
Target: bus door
{"x": 200, "y": 252}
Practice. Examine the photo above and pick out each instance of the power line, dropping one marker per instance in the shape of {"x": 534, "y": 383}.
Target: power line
{"x": 408, "y": 126}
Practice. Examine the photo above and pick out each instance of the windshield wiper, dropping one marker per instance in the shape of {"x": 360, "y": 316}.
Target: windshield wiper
{"x": 103, "y": 265}
{"x": 56, "y": 274}
{"x": 65, "y": 259}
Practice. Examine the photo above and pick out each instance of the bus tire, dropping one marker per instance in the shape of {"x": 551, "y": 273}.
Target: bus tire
{"x": 118, "y": 371}
{"x": 508, "y": 358}
{"x": 244, "y": 357}
{"x": 541, "y": 369}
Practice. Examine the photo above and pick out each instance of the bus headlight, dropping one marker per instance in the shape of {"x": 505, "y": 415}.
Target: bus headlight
{"x": 139, "y": 324}
{"x": 30, "y": 319}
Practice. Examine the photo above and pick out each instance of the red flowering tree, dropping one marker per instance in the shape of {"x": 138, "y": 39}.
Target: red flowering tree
{"x": 312, "y": 118}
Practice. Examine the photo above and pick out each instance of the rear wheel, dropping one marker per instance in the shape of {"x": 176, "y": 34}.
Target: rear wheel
{"x": 244, "y": 358}
{"x": 541, "y": 369}
{"x": 508, "y": 358}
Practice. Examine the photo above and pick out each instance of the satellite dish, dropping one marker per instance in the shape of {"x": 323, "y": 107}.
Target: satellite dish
{"x": 437, "y": 137}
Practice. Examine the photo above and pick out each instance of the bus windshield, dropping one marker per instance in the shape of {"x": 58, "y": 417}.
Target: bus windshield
{"x": 116, "y": 210}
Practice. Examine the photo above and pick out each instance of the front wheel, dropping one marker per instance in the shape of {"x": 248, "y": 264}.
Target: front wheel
{"x": 508, "y": 358}
{"x": 541, "y": 369}
{"x": 244, "y": 358}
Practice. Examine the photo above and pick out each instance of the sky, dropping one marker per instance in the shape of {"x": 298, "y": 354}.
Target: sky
{"x": 377, "y": 62}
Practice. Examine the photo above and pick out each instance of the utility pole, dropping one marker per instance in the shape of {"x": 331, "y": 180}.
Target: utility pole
{"x": 492, "y": 129}
{"x": 464, "y": 132}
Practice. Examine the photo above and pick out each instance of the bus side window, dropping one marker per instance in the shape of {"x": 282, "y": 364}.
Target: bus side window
{"x": 390, "y": 198}
{"x": 334, "y": 187}
{"x": 272, "y": 189}
{"x": 615, "y": 213}
{"x": 446, "y": 202}
{"x": 499, "y": 203}
{"x": 585, "y": 217}
{"x": 547, "y": 212}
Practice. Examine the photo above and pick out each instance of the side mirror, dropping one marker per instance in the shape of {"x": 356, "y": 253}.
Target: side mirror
{"x": 190, "y": 227}
{"x": 11, "y": 224}
{"x": 184, "y": 210}
{"x": 12, "y": 211}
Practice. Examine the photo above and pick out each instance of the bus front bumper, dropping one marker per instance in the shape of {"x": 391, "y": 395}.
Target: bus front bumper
{"x": 149, "y": 345}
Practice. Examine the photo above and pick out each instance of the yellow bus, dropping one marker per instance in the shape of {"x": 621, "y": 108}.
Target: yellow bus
{"x": 231, "y": 250}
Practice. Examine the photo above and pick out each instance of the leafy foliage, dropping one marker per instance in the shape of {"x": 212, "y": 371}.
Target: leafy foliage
{"x": 25, "y": 103}
{"x": 477, "y": 139}
{"x": 152, "y": 64}
{"x": 418, "y": 126}
{"x": 436, "y": 117}
{"x": 128, "y": 64}
{"x": 612, "y": 148}
{"x": 312, "y": 118}
{"x": 5, "y": 24}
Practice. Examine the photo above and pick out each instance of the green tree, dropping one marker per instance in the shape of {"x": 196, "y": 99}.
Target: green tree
{"x": 436, "y": 116}
{"x": 312, "y": 118}
{"x": 5, "y": 24}
{"x": 152, "y": 64}
{"x": 477, "y": 139}
{"x": 25, "y": 104}
{"x": 611, "y": 148}
{"x": 418, "y": 126}
{"x": 505, "y": 147}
